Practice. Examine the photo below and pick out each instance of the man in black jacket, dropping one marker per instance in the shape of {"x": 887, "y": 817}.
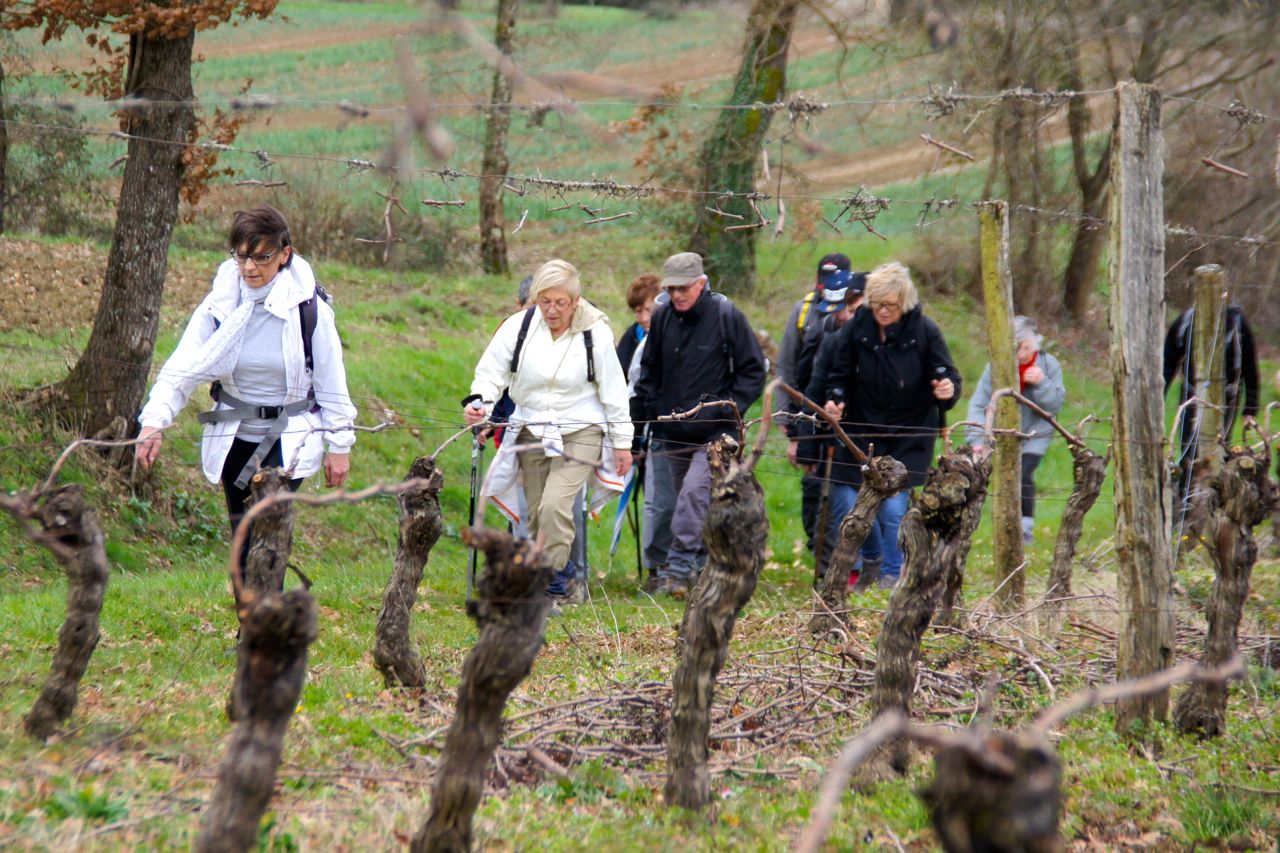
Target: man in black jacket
{"x": 1240, "y": 365}
{"x": 700, "y": 347}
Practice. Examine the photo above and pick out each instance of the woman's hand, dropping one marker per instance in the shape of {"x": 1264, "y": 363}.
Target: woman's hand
{"x": 474, "y": 414}
{"x": 622, "y": 461}
{"x": 943, "y": 389}
{"x": 336, "y": 466}
{"x": 1033, "y": 376}
{"x": 148, "y": 447}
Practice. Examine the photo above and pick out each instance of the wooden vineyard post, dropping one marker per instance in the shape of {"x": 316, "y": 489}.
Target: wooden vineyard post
{"x": 1006, "y": 474}
{"x": 1144, "y": 576}
{"x": 1202, "y": 424}
{"x": 1243, "y": 496}
{"x": 74, "y": 535}
{"x": 420, "y": 527}
{"x": 510, "y": 609}
{"x": 882, "y": 478}
{"x": 275, "y": 631}
{"x": 736, "y": 532}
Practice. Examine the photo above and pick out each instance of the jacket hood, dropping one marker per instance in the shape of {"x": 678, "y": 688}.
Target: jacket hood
{"x": 586, "y": 316}
{"x": 293, "y": 284}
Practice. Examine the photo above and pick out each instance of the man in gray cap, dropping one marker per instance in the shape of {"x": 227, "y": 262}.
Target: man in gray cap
{"x": 700, "y": 348}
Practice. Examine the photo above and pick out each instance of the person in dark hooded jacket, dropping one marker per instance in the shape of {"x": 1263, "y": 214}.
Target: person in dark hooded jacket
{"x": 891, "y": 380}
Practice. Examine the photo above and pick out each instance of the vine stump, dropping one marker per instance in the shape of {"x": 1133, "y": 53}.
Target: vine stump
{"x": 953, "y": 551}
{"x": 275, "y": 631}
{"x": 67, "y": 519}
{"x": 420, "y": 527}
{"x": 510, "y": 609}
{"x": 736, "y": 532}
{"x": 272, "y": 535}
{"x": 1088, "y": 470}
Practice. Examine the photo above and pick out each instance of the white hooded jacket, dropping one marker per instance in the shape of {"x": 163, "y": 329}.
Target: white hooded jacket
{"x": 305, "y": 434}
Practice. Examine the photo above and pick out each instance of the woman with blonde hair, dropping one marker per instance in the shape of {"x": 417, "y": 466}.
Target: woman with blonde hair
{"x": 891, "y": 379}
{"x": 557, "y": 360}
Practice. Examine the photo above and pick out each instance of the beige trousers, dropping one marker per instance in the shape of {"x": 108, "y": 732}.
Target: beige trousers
{"x": 551, "y": 487}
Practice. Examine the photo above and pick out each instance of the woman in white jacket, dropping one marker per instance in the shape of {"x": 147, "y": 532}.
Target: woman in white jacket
{"x": 570, "y": 397}
{"x": 279, "y": 398}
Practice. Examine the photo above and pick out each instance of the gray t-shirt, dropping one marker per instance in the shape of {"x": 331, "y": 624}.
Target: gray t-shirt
{"x": 259, "y": 374}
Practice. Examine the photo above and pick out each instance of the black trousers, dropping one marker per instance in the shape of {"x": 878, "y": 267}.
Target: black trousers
{"x": 240, "y": 453}
{"x": 1029, "y": 463}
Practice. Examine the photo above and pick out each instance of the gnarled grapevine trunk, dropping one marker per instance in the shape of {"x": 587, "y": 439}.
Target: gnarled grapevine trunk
{"x": 736, "y": 532}
{"x": 1088, "y": 470}
{"x": 272, "y": 537}
{"x": 510, "y": 609}
{"x": 935, "y": 519}
{"x": 1243, "y": 496}
{"x": 275, "y": 631}
{"x": 953, "y": 551}
{"x": 884, "y": 477}
{"x": 71, "y": 522}
{"x": 420, "y": 529}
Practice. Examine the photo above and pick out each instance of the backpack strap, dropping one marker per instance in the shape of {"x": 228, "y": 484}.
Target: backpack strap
{"x": 726, "y": 313}
{"x": 524, "y": 332}
{"x": 805, "y": 305}
{"x": 307, "y": 320}
{"x": 591, "y": 358}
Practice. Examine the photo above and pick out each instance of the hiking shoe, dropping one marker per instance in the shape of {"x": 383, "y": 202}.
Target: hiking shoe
{"x": 555, "y": 609}
{"x": 651, "y": 584}
{"x": 673, "y": 586}
{"x": 888, "y": 581}
{"x": 576, "y": 592}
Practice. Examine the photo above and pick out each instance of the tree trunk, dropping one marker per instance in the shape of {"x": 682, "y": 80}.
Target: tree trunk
{"x": 728, "y": 159}
{"x": 493, "y": 238}
{"x": 71, "y": 522}
{"x": 1244, "y": 496}
{"x": 510, "y": 609}
{"x": 275, "y": 631}
{"x": 884, "y": 478}
{"x": 736, "y": 533}
{"x": 420, "y": 527}
{"x": 1086, "y": 251}
{"x": 110, "y": 378}
{"x": 1144, "y": 575}
{"x": 1088, "y": 470}
{"x": 4, "y": 152}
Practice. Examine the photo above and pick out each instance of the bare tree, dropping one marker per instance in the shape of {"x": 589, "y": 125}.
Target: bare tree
{"x": 729, "y": 155}
{"x": 493, "y": 238}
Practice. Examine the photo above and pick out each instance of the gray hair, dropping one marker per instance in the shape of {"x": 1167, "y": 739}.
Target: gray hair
{"x": 522, "y": 292}
{"x": 557, "y": 273}
{"x": 1024, "y": 329}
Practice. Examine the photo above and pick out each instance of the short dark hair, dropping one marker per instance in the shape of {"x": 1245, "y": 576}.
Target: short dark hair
{"x": 644, "y": 288}
{"x": 260, "y": 223}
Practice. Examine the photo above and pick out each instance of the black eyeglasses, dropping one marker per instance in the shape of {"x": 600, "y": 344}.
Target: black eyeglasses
{"x": 260, "y": 259}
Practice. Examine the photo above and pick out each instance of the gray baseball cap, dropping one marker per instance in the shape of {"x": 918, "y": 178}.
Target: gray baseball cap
{"x": 681, "y": 269}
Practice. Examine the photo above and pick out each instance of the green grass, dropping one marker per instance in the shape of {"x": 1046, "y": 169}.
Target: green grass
{"x": 149, "y": 730}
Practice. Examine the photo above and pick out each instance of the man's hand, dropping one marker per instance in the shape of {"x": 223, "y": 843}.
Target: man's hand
{"x": 943, "y": 389}
{"x": 474, "y": 414}
{"x": 622, "y": 461}
{"x": 836, "y": 410}
{"x": 793, "y": 447}
{"x": 148, "y": 447}
{"x": 336, "y": 466}
{"x": 1033, "y": 376}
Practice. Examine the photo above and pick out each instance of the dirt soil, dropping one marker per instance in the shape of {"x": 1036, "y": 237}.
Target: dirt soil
{"x": 49, "y": 288}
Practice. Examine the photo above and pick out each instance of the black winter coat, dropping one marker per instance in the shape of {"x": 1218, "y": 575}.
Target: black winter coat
{"x": 887, "y": 393}
{"x": 686, "y": 361}
{"x": 626, "y": 348}
{"x": 1241, "y": 362}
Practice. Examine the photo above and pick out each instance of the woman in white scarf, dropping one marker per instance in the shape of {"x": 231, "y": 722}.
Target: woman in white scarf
{"x": 274, "y": 408}
{"x": 570, "y": 399}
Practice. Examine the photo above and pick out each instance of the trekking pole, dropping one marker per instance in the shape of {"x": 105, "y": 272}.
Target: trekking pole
{"x": 477, "y": 451}
{"x": 824, "y": 509}
{"x": 635, "y": 517}
{"x": 943, "y": 430}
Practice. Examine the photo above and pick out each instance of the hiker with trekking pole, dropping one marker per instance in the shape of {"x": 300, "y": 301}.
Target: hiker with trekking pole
{"x": 264, "y": 336}
{"x": 570, "y": 424}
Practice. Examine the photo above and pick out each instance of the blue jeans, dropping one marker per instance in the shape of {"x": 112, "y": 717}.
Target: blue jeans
{"x": 882, "y": 539}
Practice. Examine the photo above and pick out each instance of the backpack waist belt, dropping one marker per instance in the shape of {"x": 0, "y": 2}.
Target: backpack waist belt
{"x": 240, "y": 410}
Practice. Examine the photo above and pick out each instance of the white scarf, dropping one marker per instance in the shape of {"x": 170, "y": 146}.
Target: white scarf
{"x": 222, "y": 350}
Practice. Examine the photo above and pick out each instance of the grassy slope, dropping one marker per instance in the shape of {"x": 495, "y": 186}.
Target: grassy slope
{"x": 149, "y": 727}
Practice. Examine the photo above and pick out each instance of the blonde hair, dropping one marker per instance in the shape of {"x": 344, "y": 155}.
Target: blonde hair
{"x": 557, "y": 273}
{"x": 891, "y": 279}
